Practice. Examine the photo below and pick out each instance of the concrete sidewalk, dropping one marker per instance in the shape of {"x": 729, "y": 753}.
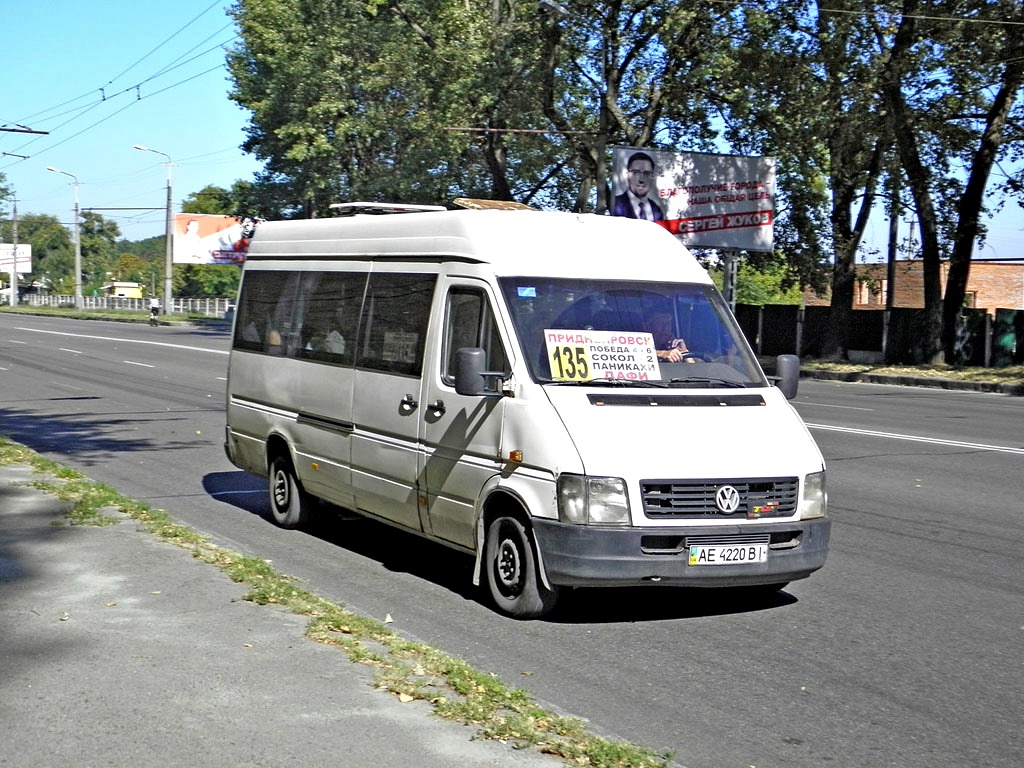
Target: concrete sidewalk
{"x": 118, "y": 649}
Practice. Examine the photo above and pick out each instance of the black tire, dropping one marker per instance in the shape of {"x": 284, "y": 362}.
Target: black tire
{"x": 289, "y": 504}
{"x": 512, "y": 575}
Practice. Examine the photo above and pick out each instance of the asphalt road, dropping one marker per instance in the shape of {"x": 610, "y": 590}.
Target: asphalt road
{"x": 905, "y": 650}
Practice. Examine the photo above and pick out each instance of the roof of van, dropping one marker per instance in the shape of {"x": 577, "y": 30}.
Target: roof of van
{"x": 513, "y": 242}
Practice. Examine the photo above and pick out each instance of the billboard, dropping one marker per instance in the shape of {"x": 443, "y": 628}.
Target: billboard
{"x": 707, "y": 200}
{"x": 201, "y": 238}
{"x": 24, "y": 258}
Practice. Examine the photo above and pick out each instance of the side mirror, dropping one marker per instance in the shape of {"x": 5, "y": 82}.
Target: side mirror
{"x": 470, "y": 376}
{"x": 787, "y": 374}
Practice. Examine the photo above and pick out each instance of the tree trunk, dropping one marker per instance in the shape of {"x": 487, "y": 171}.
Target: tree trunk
{"x": 918, "y": 178}
{"x": 973, "y": 198}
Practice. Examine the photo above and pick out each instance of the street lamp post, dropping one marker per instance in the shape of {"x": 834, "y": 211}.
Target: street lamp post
{"x": 169, "y": 231}
{"x": 14, "y": 260}
{"x": 78, "y": 239}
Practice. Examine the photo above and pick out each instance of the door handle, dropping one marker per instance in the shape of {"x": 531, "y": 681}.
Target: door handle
{"x": 409, "y": 403}
{"x": 437, "y": 407}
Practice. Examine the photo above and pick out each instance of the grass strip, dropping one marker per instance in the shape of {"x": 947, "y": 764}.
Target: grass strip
{"x": 1009, "y": 375}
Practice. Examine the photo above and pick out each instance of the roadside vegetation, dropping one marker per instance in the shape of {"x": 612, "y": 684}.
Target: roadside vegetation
{"x": 409, "y": 670}
{"x": 1013, "y": 375}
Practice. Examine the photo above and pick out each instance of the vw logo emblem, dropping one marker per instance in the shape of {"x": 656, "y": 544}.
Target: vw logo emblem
{"x": 727, "y": 499}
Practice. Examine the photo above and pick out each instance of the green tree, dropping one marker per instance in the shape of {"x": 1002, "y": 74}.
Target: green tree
{"x": 131, "y": 268}
{"x": 53, "y": 252}
{"x": 151, "y": 249}
{"x": 99, "y": 245}
{"x": 951, "y": 85}
{"x": 800, "y": 90}
{"x": 763, "y": 282}
{"x": 210, "y": 199}
{"x": 196, "y": 280}
{"x": 6, "y": 192}
{"x": 425, "y": 100}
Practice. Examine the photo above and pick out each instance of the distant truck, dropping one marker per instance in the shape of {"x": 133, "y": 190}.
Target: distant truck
{"x": 566, "y": 398}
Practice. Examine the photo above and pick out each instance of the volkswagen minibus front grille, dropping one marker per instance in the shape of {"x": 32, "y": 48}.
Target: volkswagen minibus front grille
{"x": 688, "y": 499}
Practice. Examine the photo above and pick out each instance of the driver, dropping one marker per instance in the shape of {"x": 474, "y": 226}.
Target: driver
{"x": 668, "y": 348}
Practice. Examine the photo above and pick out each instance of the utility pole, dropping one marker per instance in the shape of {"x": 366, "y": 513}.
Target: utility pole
{"x": 169, "y": 232}
{"x": 79, "y": 303}
{"x": 14, "y": 264}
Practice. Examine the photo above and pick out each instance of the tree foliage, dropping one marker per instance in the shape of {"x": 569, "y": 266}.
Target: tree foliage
{"x": 99, "y": 240}
{"x": 427, "y": 100}
{"x": 951, "y": 85}
{"x": 53, "y": 251}
{"x": 5, "y": 190}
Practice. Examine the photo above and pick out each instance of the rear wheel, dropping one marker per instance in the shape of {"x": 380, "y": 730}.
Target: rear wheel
{"x": 512, "y": 575}
{"x": 289, "y": 504}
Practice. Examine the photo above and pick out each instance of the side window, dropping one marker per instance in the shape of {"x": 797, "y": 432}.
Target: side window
{"x": 330, "y": 316}
{"x": 470, "y": 323}
{"x": 265, "y": 309}
{"x": 393, "y": 327}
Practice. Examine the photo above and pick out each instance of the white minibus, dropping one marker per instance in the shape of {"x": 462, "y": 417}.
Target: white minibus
{"x": 565, "y": 397}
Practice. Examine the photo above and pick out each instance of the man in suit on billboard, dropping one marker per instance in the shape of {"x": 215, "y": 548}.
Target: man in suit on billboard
{"x": 635, "y": 202}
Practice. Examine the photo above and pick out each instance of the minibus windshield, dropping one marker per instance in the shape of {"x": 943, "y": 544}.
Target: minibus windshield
{"x": 628, "y": 333}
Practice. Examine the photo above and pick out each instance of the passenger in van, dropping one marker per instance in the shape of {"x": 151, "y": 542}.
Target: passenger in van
{"x": 669, "y": 348}
{"x": 323, "y": 339}
{"x": 342, "y": 322}
{"x": 251, "y": 333}
{"x": 334, "y": 343}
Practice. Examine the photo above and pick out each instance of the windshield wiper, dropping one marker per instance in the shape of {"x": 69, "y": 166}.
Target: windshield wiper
{"x": 612, "y": 383}
{"x": 708, "y": 380}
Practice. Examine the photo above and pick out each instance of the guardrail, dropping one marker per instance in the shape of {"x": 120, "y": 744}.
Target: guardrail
{"x": 195, "y": 306}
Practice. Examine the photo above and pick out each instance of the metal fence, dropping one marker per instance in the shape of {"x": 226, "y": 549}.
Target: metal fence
{"x": 204, "y": 307}
{"x": 891, "y": 336}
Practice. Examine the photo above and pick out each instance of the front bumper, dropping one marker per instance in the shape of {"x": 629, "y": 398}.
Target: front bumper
{"x": 579, "y": 556}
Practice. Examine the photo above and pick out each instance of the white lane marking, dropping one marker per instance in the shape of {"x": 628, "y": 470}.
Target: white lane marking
{"x": 127, "y": 341}
{"x": 142, "y": 365}
{"x": 238, "y": 493}
{"x": 840, "y": 407}
{"x": 918, "y": 439}
{"x": 73, "y": 351}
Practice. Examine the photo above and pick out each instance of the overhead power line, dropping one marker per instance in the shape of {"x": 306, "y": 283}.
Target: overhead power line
{"x": 99, "y": 97}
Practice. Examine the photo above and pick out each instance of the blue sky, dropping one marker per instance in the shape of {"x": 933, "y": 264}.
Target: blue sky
{"x": 102, "y": 76}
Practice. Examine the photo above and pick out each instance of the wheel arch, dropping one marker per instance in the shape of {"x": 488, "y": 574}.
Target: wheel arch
{"x": 278, "y": 445}
{"x": 503, "y": 502}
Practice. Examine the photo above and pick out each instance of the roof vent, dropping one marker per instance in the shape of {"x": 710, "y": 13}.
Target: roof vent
{"x": 352, "y": 209}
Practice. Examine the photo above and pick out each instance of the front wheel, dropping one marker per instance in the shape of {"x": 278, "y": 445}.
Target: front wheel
{"x": 289, "y": 504}
{"x": 512, "y": 575}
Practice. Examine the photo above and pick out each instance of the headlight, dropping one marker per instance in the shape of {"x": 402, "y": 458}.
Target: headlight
{"x": 587, "y": 500}
{"x": 815, "y": 501}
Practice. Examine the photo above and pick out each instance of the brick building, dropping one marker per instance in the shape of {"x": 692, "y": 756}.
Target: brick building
{"x": 990, "y": 286}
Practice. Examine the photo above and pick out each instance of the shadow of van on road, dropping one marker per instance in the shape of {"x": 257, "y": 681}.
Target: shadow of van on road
{"x": 408, "y": 553}
{"x": 90, "y": 437}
